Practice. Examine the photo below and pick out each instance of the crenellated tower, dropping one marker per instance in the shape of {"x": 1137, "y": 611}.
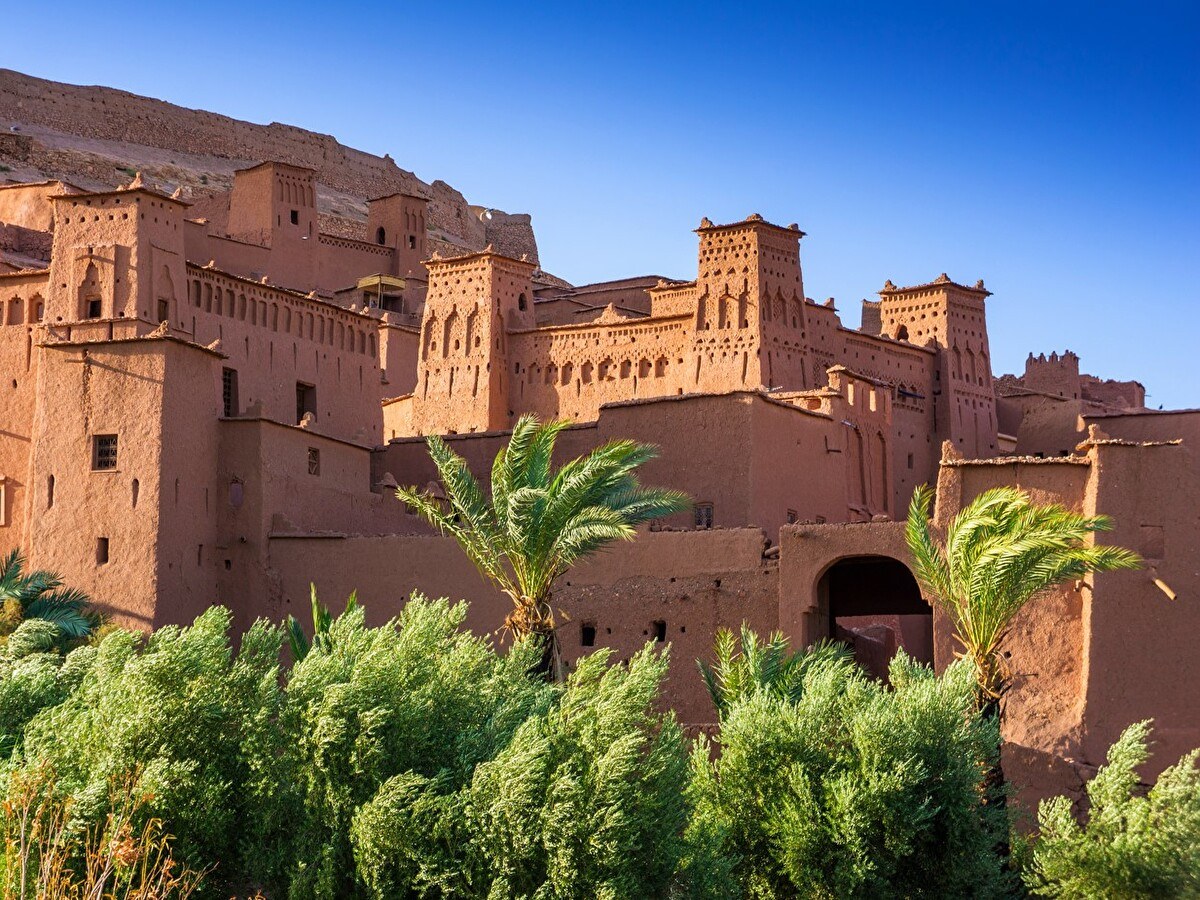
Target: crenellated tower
{"x": 952, "y": 318}
{"x": 117, "y": 265}
{"x": 749, "y": 325}
{"x": 462, "y": 367}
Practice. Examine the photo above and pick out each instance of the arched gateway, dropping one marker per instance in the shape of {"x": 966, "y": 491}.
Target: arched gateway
{"x": 875, "y": 605}
{"x": 853, "y": 583}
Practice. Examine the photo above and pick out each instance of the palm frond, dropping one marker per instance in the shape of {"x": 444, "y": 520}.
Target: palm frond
{"x": 1001, "y": 552}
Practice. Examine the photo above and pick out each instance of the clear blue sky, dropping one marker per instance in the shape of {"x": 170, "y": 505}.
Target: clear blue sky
{"x": 1051, "y": 148}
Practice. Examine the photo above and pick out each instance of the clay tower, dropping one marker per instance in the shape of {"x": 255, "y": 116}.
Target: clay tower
{"x": 462, "y": 365}
{"x": 749, "y": 330}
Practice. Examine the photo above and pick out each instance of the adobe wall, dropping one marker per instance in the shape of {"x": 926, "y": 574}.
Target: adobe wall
{"x": 111, "y": 388}
{"x": 274, "y": 339}
{"x": 29, "y": 205}
{"x": 1158, "y": 425}
{"x": 1140, "y": 657}
{"x": 692, "y": 582}
{"x": 20, "y": 299}
{"x": 752, "y": 458}
{"x": 807, "y": 551}
{"x": 268, "y": 481}
{"x": 570, "y": 371}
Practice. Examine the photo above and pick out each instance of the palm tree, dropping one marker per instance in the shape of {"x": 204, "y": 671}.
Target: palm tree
{"x": 539, "y": 522}
{"x": 747, "y": 665}
{"x": 41, "y": 595}
{"x": 1001, "y": 552}
{"x": 322, "y": 622}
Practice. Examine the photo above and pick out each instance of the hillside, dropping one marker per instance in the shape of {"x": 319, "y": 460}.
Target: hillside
{"x": 97, "y": 137}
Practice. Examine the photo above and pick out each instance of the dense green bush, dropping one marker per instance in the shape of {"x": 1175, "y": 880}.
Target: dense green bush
{"x": 417, "y": 698}
{"x": 413, "y": 760}
{"x": 855, "y": 789}
{"x": 34, "y": 676}
{"x": 1135, "y": 844}
{"x": 176, "y": 714}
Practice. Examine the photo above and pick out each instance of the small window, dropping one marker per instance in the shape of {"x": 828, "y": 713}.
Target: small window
{"x": 660, "y": 631}
{"x": 521, "y": 302}
{"x": 306, "y": 400}
{"x": 703, "y": 515}
{"x": 792, "y": 518}
{"x": 910, "y": 460}
{"x": 412, "y": 242}
{"x": 380, "y": 236}
{"x": 101, "y": 551}
{"x": 164, "y": 311}
{"x": 104, "y": 452}
{"x": 295, "y": 217}
{"x": 587, "y": 634}
{"x": 93, "y": 308}
{"x": 229, "y": 393}
{"x": 314, "y": 461}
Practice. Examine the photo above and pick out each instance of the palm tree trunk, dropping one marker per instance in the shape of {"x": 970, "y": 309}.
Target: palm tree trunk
{"x": 995, "y": 793}
{"x": 534, "y": 619}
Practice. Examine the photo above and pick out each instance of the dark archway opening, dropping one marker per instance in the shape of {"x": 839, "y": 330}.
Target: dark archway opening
{"x": 380, "y": 235}
{"x": 875, "y": 606}
{"x": 902, "y": 333}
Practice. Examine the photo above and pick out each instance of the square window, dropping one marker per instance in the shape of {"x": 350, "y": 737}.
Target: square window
{"x": 295, "y": 217}
{"x": 703, "y": 515}
{"x": 587, "y": 634}
{"x": 412, "y": 242}
{"x": 93, "y": 308}
{"x": 164, "y": 311}
{"x": 104, "y": 452}
{"x": 792, "y": 518}
{"x": 314, "y": 461}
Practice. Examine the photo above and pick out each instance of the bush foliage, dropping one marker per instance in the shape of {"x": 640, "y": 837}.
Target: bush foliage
{"x": 855, "y": 789}
{"x": 413, "y": 760}
{"x": 1135, "y": 844}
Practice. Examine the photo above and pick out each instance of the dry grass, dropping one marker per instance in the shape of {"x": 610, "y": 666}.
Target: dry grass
{"x": 46, "y": 857}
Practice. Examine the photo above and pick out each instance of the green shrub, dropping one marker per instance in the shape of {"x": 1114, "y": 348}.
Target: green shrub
{"x": 588, "y": 800}
{"x": 1135, "y": 844}
{"x": 855, "y": 789}
{"x": 416, "y": 699}
{"x": 34, "y": 676}
{"x": 177, "y": 713}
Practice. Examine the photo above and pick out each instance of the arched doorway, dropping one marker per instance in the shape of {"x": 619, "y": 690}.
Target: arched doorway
{"x": 875, "y": 605}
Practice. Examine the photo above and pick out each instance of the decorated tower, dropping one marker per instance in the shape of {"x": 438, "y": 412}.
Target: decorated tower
{"x": 749, "y": 328}
{"x": 462, "y": 364}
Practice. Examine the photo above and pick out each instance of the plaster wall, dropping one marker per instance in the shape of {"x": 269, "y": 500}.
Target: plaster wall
{"x": 691, "y": 582}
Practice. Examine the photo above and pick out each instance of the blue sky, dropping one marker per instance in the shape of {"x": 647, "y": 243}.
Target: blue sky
{"x": 1051, "y": 148}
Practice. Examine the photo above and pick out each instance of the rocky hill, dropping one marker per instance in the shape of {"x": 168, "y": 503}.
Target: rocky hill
{"x": 97, "y": 137}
